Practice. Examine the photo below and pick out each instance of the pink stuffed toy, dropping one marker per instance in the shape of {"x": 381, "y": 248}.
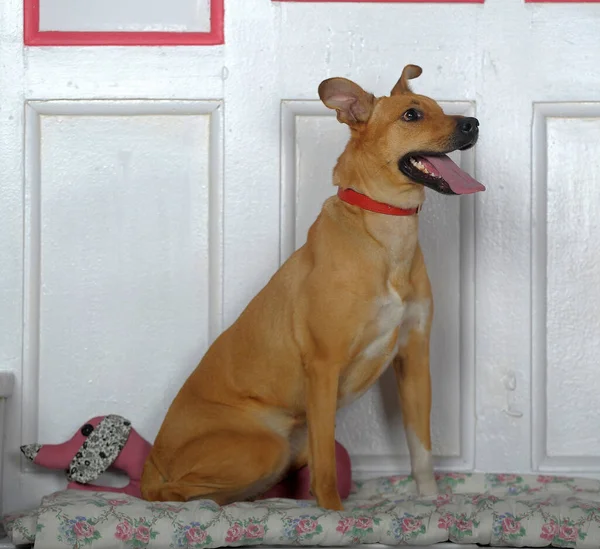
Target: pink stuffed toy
{"x": 103, "y": 442}
{"x": 111, "y": 441}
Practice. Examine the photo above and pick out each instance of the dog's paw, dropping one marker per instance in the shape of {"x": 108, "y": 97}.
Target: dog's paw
{"x": 332, "y": 503}
{"x": 335, "y": 506}
{"x": 427, "y": 488}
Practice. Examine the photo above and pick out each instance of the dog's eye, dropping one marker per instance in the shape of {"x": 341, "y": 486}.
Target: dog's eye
{"x": 412, "y": 115}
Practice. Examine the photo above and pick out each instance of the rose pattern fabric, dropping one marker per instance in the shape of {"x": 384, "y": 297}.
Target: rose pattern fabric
{"x": 498, "y": 510}
{"x": 190, "y": 536}
{"x": 79, "y": 531}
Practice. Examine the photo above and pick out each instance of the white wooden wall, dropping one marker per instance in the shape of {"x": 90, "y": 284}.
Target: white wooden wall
{"x": 148, "y": 193}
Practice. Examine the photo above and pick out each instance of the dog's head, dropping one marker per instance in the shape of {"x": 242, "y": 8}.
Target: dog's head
{"x": 402, "y": 140}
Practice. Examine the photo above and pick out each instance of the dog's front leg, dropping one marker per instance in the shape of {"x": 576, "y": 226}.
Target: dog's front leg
{"x": 414, "y": 384}
{"x": 322, "y": 380}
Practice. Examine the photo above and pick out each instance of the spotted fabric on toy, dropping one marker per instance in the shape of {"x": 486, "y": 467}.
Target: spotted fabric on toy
{"x": 99, "y": 451}
{"x": 31, "y": 450}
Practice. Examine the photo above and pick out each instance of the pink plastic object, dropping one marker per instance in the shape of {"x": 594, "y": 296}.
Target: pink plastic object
{"x": 101, "y": 443}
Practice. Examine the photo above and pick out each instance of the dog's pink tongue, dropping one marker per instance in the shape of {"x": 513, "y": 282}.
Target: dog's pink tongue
{"x": 460, "y": 181}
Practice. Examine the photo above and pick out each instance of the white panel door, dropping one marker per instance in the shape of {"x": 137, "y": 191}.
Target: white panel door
{"x": 149, "y": 192}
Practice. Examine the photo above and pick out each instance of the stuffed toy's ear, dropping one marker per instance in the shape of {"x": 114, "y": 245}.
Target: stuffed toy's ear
{"x": 30, "y": 451}
{"x": 102, "y": 446}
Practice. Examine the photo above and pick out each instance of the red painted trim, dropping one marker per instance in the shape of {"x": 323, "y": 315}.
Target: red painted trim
{"x": 32, "y": 36}
{"x": 405, "y": 1}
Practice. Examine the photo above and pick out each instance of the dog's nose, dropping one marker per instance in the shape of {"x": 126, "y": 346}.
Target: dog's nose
{"x": 468, "y": 125}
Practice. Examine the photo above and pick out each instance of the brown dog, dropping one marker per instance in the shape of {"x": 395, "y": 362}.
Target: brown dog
{"x": 350, "y": 302}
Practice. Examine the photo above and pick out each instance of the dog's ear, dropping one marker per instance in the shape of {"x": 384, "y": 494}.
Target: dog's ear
{"x": 409, "y": 72}
{"x": 353, "y": 104}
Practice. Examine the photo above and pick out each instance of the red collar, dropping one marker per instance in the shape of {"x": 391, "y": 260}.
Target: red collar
{"x": 350, "y": 196}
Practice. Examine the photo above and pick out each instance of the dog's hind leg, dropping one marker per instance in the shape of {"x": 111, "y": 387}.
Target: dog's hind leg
{"x": 224, "y": 466}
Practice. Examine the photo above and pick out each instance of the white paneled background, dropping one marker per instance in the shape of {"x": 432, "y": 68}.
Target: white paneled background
{"x": 567, "y": 267}
{"x": 123, "y": 247}
{"x": 148, "y": 193}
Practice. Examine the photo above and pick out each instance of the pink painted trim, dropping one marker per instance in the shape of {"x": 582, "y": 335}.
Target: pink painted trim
{"x": 32, "y": 36}
{"x": 405, "y": 1}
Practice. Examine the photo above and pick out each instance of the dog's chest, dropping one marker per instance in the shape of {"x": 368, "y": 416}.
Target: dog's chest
{"x": 392, "y": 321}
{"x": 389, "y": 315}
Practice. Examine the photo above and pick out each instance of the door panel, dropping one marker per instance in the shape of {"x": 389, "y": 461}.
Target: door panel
{"x": 118, "y": 199}
{"x": 133, "y": 23}
{"x": 565, "y": 270}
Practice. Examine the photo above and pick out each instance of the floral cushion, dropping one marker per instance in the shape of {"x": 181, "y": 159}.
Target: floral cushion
{"x": 498, "y": 510}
